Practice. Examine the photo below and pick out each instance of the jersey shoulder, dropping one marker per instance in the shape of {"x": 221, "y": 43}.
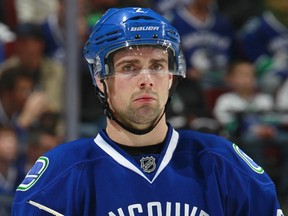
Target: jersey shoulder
{"x": 255, "y": 25}
{"x": 79, "y": 148}
{"x": 58, "y": 161}
{"x": 221, "y": 153}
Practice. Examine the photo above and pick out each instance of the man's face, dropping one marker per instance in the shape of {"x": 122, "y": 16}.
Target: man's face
{"x": 23, "y": 89}
{"x": 8, "y": 146}
{"x": 243, "y": 77}
{"x": 29, "y": 48}
{"x": 138, "y": 89}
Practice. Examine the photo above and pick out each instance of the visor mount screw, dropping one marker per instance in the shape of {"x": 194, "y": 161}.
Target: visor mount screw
{"x": 137, "y": 36}
{"x": 155, "y": 36}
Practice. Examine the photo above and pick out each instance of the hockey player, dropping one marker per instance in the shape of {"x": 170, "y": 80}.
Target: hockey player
{"x": 138, "y": 164}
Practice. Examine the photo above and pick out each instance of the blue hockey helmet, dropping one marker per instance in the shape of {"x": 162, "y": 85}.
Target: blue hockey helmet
{"x": 128, "y": 27}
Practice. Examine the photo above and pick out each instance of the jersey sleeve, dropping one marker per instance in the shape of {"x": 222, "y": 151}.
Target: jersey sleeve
{"x": 45, "y": 192}
{"x": 56, "y": 199}
{"x": 247, "y": 188}
{"x": 49, "y": 188}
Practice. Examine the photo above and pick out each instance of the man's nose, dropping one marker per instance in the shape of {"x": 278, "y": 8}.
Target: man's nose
{"x": 145, "y": 78}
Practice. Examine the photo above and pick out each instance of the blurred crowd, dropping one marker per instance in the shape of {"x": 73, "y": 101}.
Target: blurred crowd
{"x": 237, "y": 67}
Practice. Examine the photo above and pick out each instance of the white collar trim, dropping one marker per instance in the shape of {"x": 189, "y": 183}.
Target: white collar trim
{"x": 126, "y": 163}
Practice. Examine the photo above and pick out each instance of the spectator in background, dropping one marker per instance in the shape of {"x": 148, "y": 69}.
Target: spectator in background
{"x": 243, "y": 96}
{"x": 162, "y": 6}
{"x": 10, "y": 174}
{"x": 264, "y": 42}
{"x": 207, "y": 40}
{"x": 234, "y": 10}
{"x": 54, "y": 29}
{"x": 29, "y": 55}
{"x": 20, "y": 107}
{"x": 237, "y": 110}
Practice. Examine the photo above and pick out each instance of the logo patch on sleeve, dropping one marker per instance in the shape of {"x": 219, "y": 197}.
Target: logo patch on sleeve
{"x": 255, "y": 167}
{"x": 34, "y": 174}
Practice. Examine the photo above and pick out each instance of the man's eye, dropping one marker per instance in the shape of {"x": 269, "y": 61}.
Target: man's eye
{"x": 156, "y": 68}
{"x": 129, "y": 68}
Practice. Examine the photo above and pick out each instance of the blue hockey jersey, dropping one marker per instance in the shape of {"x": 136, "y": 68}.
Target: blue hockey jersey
{"x": 264, "y": 36}
{"x": 195, "y": 174}
{"x": 208, "y": 46}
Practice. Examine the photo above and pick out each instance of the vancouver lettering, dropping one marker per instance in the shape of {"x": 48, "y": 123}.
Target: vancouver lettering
{"x": 159, "y": 209}
{"x": 196, "y": 39}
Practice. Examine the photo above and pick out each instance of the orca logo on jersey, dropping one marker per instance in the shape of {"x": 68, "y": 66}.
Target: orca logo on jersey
{"x": 34, "y": 174}
{"x": 255, "y": 167}
{"x": 148, "y": 164}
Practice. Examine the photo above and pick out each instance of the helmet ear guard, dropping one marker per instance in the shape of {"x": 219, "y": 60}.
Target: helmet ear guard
{"x": 103, "y": 99}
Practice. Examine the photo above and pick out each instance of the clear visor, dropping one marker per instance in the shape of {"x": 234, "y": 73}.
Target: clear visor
{"x": 139, "y": 59}
{"x": 134, "y": 60}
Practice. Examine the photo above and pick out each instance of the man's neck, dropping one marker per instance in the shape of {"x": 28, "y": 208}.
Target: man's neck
{"x": 124, "y": 137}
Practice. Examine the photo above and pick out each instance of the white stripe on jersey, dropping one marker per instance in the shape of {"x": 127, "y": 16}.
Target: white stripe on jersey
{"x": 45, "y": 208}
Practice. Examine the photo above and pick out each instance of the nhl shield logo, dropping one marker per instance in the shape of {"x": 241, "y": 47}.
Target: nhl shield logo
{"x": 148, "y": 164}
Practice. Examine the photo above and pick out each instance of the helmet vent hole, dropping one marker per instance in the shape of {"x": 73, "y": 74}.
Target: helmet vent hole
{"x": 110, "y": 36}
{"x": 141, "y": 17}
{"x": 173, "y": 35}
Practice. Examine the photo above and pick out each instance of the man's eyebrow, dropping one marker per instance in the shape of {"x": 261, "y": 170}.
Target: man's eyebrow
{"x": 136, "y": 61}
{"x": 127, "y": 61}
{"x": 160, "y": 60}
